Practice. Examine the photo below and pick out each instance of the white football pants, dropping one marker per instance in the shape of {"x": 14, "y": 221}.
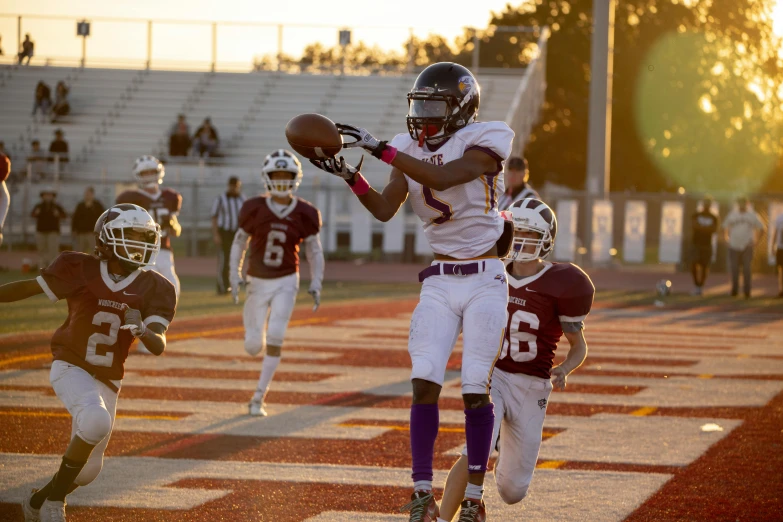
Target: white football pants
{"x": 92, "y": 406}
{"x": 268, "y": 308}
{"x": 474, "y": 304}
{"x": 520, "y": 407}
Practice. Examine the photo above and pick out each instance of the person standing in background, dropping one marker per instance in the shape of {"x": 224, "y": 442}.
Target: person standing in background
{"x": 517, "y": 187}
{"x": 83, "y": 222}
{"x": 705, "y": 224}
{"x": 778, "y": 246}
{"x": 742, "y": 230}
{"x": 5, "y": 197}
{"x": 225, "y": 222}
{"x": 48, "y": 215}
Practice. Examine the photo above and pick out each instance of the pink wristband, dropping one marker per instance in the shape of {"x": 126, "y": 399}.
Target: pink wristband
{"x": 388, "y": 154}
{"x": 360, "y": 187}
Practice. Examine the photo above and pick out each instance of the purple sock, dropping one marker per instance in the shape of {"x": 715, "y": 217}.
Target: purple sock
{"x": 479, "y": 424}
{"x": 424, "y": 430}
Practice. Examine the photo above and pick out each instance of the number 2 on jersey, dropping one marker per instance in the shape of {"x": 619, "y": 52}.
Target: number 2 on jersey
{"x": 437, "y": 205}
{"x": 273, "y": 253}
{"x": 109, "y": 340}
{"x": 523, "y": 345}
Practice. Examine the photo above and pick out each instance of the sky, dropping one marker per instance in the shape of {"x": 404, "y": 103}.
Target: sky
{"x": 384, "y": 23}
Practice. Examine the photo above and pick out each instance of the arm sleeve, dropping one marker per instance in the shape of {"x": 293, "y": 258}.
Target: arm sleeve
{"x": 495, "y": 138}
{"x": 315, "y": 257}
{"x": 63, "y": 277}
{"x": 162, "y": 307}
{"x": 238, "y": 249}
{"x": 5, "y": 202}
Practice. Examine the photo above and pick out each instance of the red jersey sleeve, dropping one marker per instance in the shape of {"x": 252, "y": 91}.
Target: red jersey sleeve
{"x": 173, "y": 200}
{"x": 162, "y": 305}
{"x": 247, "y": 214}
{"x": 311, "y": 224}
{"x": 576, "y": 298}
{"x": 64, "y": 277}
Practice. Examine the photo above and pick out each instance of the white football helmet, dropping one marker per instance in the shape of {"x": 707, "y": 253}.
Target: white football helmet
{"x": 111, "y": 239}
{"x": 531, "y": 215}
{"x": 282, "y": 160}
{"x": 147, "y": 165}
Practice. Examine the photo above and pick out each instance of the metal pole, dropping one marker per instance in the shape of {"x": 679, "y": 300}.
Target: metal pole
{"x": 26, "y": 201}
{"x": 599, "y": 139}
{"x": 149, "y": 44}
{"x": 279, "y": 46}
{"x": 84, "y": 51}
{"x": 214, "y": 45}
{"x": 18, "y": 33}
{"x": 475, "y": 61}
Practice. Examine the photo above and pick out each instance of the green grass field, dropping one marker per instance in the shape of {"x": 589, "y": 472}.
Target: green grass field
{"x": 198, "y": 299}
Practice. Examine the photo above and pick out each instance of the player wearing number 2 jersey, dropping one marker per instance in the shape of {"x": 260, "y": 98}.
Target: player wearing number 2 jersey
{"x": 546, "y": 300}
{"x": 274, "y": 226}
{"x": 451, "y": 166}
{"x": 110, "y": 302}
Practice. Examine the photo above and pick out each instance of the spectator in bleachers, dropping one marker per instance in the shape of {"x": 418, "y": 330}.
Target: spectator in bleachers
{"x": 83, "y": 222}
{"x": 179, "y": 137}
{"x": 37, "y": 159}
{"x": 61, "y": 106}
{"x": 43, "y": 98}
{"x": 206, "y": 140}
{"x": 59, "y": 147}
{"x": 48, "y": 215}
{"x": 27, "y": 49}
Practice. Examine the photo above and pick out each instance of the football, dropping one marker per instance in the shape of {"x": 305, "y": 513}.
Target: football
{"x": 313, "y": 136}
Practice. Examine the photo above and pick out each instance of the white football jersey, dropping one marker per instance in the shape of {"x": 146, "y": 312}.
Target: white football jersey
{"x": 462, "y": 221}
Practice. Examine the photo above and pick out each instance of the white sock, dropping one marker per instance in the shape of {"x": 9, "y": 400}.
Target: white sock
{"x": 268, "y": 368}
{"x": 474, "y": 492}
{"x": 422, "y": 485}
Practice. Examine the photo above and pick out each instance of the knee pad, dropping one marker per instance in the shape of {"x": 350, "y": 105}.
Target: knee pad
{"x": 93, "y": 424}
{"x": 511, "y": 493}
{"x": 254, "y": 346}
{"x": 422, "y": 369}
{"x": 90, "y": 471}
{"x": 475, "y": 378}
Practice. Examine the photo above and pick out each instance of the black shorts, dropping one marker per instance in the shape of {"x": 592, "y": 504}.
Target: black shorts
{"x": 779, "y": 257}
{"x": 702, "y": 255}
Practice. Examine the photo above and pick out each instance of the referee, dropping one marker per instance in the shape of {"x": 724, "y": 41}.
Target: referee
{"x": 517, "y": 187}
{"x": 225, "y": 222}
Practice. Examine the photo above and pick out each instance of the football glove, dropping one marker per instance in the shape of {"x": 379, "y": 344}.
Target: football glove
{"x": 316, "y": 294}
{"x": 338, "y": 167}
{"x": 133, "y": 321}
{"x": 363, "y": 139}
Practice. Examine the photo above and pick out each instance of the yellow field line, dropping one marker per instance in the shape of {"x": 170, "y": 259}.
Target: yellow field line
{"x": 66, "y": 414}
{"x": 25, "y": 358}
{"x": 551, "y": 464}
{"x": 643, "y": 412}
{"x": 240, "y": 329}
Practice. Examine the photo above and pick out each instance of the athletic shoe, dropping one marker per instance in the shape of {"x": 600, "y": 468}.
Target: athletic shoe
{"x": 422, "y": 506}
{"x": 52, "y": 511}
{"x": 30, "y": 513}
{"x": 472, "y": 511}
{"x": 256, "y": 409}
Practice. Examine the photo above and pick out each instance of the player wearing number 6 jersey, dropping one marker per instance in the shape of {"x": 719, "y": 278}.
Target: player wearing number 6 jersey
{"x": 274, "y": 225}
{"x": 111, "y": 301}
{"x": 546, "y": 300}
{"x": 451, "y": 166}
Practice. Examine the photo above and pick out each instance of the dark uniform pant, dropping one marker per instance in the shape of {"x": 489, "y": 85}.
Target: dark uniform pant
{"x": 224, "y": 256}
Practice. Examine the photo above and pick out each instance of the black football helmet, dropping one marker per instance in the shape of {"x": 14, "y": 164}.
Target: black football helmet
{"x": 444, "y": 99}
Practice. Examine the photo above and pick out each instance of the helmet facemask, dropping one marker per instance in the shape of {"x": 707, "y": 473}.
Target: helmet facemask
{"x": 280, "y": 183}
{"x": 134, "y": 246}
{"x": 525, "y": 248}
{"x": 149, "y": 179}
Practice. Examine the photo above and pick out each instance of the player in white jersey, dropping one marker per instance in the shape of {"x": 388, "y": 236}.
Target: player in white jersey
{"x": 452, "y": 167}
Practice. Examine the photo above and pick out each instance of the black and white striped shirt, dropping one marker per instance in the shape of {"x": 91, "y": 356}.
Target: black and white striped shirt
{"x": 226, "y": 210}
{"x": 506, "y": 200}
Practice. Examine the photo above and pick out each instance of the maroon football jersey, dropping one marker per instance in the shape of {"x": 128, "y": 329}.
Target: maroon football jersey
{"x": 274, "y": 246}
{"x": 91, "y": 337}
{"x": 161, "y": 207}
{"x": 560, "y": 292}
